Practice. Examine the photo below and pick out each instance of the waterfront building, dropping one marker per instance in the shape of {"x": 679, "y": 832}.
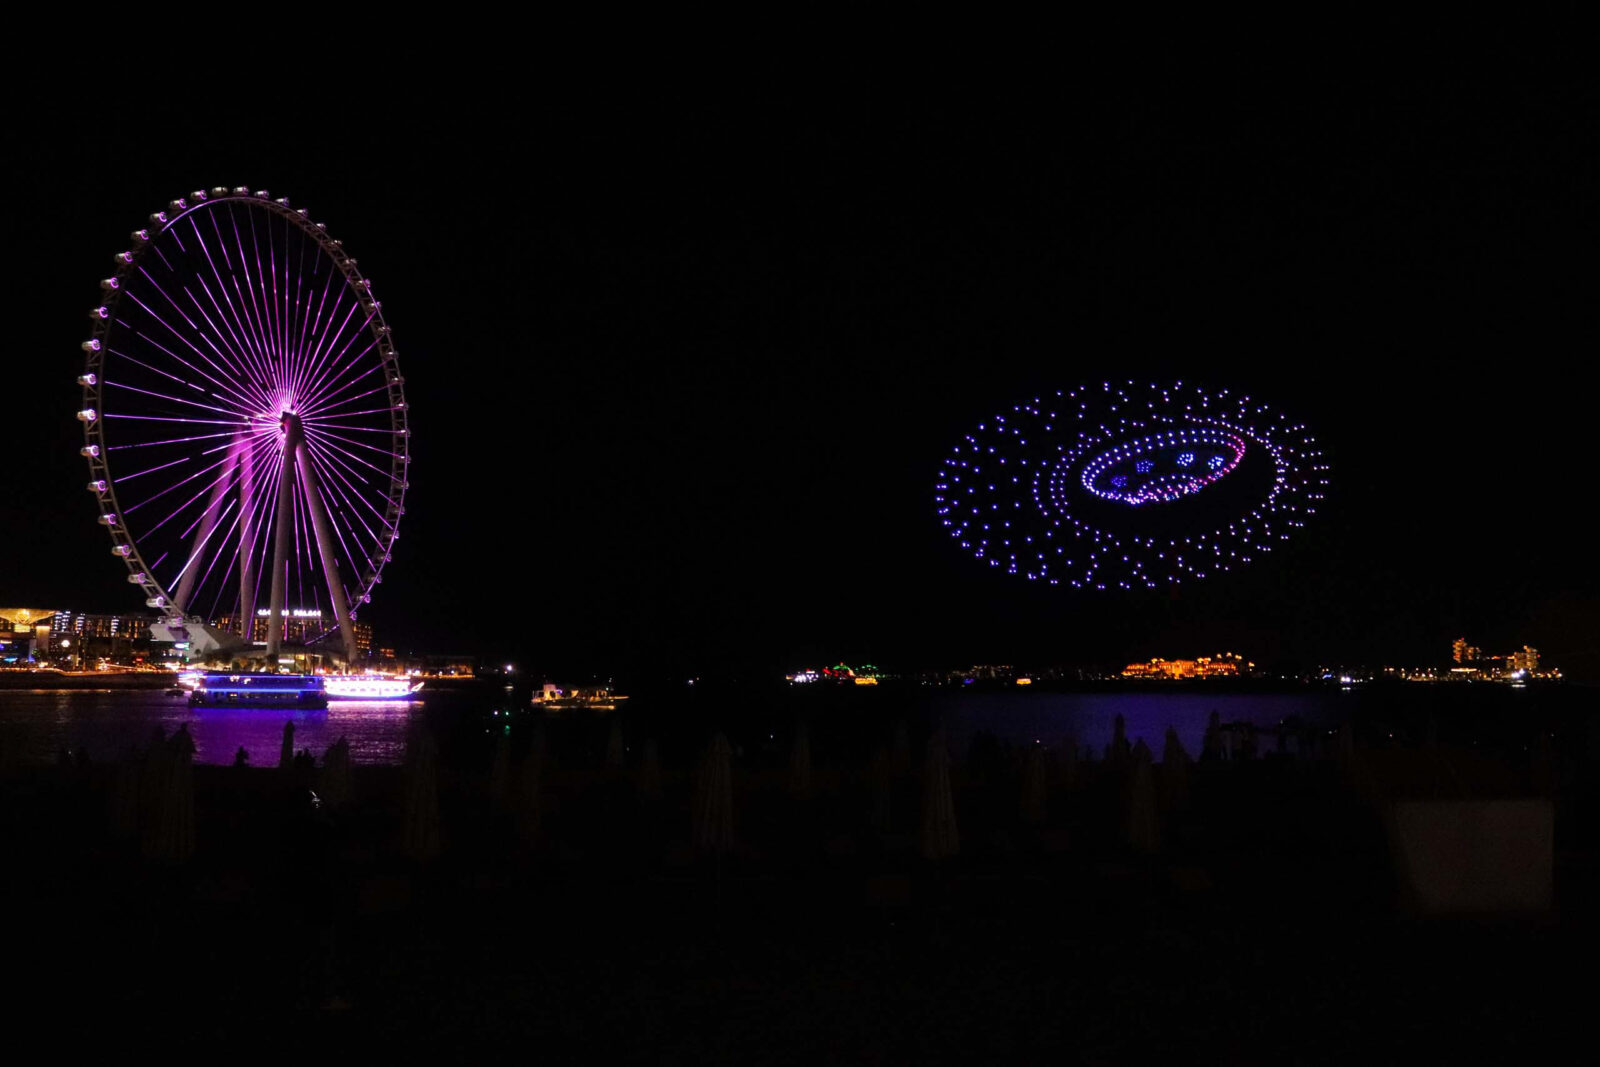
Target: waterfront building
{"x": 24, "y": 633}
{"x": 299, "y": 625}
{"x": 1226, "y": 665}
{"x": 1462, "y": 652}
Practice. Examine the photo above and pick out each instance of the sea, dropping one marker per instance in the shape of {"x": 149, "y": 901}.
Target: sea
{"x": 39, "y": 725}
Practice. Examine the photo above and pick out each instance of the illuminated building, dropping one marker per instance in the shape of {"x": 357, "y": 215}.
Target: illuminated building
{"x": 23, "y": 631}
{"x": 1226, "y": 665}
{"x": 130, "y": 627}
{"x": 1526, "y": 660}
{"x": 1463, "y": 652}
{"x": 300, "y": 625}
{"x": 866, "y": 674}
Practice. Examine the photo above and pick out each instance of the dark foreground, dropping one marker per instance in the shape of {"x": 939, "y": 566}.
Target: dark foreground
{"x": 576, "y": 919}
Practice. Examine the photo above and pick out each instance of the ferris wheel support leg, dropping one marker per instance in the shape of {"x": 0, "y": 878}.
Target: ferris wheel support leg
{"x": 208, "y": 522}
{"x": 247, "y": 546}
{"x": 280, "y": 554}
{"x": 325, "y": 547}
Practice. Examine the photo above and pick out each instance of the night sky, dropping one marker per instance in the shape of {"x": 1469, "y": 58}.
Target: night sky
{"x": 682, "y": 375}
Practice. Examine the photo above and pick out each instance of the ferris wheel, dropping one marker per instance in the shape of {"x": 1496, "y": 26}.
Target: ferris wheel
{"x": 245, "y": 420}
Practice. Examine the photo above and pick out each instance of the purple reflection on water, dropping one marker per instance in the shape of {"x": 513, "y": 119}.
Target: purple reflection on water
{"x": 1052, "y": 718}
{"x": 108, "y": 722}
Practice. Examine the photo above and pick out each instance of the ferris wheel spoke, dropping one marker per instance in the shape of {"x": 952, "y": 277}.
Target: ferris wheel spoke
{"x": 250, "y": 286}
{"x": 272, "y": 273}
{"x": 184, "y": 577}
{"x": 329, "y": 404}
{"x": 179, "y": 335}
{"x": 170, "y": 440}
{"x": 129, "y": 510}
{"x": 318, "y": 390}
{"x": 309, "y": 341}
{"x": 323, "y": 431}
{"x": 365, "y": 463}
{"x": 241, "y": 423}
{"x": 174, "y": 399}
{"x": 250, "y": 357}
{"x": 124, "y": 479}
{"x": 342, "y": 488}
{"x": 240, "y": 318}
{"x": 318, "y": 369}
{"x": 233, "y": 366}
{"x": 350, "y": 557}
{"x": 244, "y": 403}
{"x": 353, "y": 496}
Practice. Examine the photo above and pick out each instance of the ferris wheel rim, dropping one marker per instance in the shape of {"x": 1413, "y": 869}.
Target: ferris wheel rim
{"x": 92, "y": 415}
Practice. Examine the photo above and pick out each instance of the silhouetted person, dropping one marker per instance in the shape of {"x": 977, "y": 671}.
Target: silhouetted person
{"x": 241, "y": 758}
{"x": 286, "y": 753}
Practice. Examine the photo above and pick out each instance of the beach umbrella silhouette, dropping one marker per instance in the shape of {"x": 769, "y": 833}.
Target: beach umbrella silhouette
{"x": 1069, "y": 760}
{"x": 152, "y": 791}
{"x": 800, "y": 762}
{"x": 1033, "y": 783}
{"x": 1117, "y": 751}
{"x": 421, "y": 831}
{"x": 125, "y": 798}
{"x": 286, "y": 753}
{"x": 650, "y": 770}
{"x": 1143, "y": 831}
{"x": 172, "y": 837}
{"x": 900, "y": 752}
{"x": 500, "y": 769}
{"x": 713, "y": 802}
{"x": 616, "y": 751}
{"x": 940, "y": 836}
{"x": 1175, "y": 771}
{"x": 530, "y": 790}
{"x": 336, "y": 774}
{"x": 881, "y": 774}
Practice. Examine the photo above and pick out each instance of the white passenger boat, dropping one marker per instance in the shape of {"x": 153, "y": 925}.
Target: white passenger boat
{"x": 369, "y": 687}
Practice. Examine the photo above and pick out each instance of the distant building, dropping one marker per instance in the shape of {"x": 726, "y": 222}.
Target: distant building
{"x": 1227, "y": 665}
{"x": 1462, "y": 652}
{"x": 299, "y": 625}
{"x": 1526, "y": 660}
{"x": 23, "y": 632}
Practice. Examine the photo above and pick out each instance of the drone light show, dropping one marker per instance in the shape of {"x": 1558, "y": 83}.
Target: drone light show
{"x": 1130, "y": 486}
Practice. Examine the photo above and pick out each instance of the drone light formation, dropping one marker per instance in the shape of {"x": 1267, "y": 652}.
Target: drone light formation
{"x": 1130, "y": 486}
{"x": 244, "y": 416}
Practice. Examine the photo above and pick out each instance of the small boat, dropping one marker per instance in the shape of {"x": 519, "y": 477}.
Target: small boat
{"x": 370, "y": 687}
{"x": 591, "y": 698}
{"x": 220, "y": 689}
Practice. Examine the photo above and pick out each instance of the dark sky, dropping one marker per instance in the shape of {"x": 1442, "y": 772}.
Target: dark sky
{"x": 681, "y": 375}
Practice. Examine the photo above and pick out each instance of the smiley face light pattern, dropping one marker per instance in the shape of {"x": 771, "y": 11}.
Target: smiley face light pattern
{"x": 1084, "y": 488}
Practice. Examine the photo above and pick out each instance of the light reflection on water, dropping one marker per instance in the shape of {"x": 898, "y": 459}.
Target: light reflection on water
{"x": 1053, "y": 718}
{"x": 109, "y": 722}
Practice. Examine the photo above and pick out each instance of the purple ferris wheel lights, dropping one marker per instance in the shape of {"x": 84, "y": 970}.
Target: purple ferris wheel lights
{"x": 243, "y": 413}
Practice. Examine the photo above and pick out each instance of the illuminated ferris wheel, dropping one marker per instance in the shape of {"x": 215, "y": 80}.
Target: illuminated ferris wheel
{"x": 244, "y": 419}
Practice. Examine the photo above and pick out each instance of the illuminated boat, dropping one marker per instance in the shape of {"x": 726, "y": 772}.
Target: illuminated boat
{"x": 369, "y": 687}
{"x": 593, "y": 698}
{"x": 220, "y": 689}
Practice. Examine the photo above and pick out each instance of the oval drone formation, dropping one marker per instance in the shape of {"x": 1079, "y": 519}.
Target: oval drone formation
{"x": 1087, "y": 488}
